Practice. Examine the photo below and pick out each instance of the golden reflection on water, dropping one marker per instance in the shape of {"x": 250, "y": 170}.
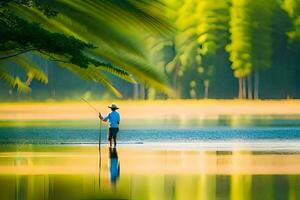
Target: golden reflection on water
{"x": 133, "y": 172}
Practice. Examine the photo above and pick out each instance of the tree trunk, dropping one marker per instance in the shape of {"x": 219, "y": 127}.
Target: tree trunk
{"x": 51, "y": 82}
{"x": 244, "y": 88}
{"x": 146, "y": 92}
{"x": 46, "y": 68}
{"x": 135, "y": 91}
{"x": 256, "y": 84}
{"x": 240, "y": 88}
{"x": 53, "y": 93}
{"x": 206, "y": 87}
{"x": 142, "y": 91}
{"x": 250, "y": 86}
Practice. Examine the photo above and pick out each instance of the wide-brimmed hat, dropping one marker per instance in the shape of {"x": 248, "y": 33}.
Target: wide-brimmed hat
{"x": 113, "y": 106}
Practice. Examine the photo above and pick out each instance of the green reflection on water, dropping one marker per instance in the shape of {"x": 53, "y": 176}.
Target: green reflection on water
{"x": 239, "y": 187}
{"x": 136, "y": 180}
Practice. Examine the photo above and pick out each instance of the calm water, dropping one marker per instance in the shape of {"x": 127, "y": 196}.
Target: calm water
{"x": 219, "y": 138}
{"x": 62, "y": 187}
{"x": 78, "y": 172}
{"x": 238, "y": 128}
{"x": 244, "y": 158}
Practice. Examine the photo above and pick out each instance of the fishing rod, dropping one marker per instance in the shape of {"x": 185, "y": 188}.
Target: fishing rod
{"x": 99, "y": 147}
{"x": 95, "y": 109}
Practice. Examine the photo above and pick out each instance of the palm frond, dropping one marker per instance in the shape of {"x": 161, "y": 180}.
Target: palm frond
{"x": 92, "y": 29}
{"x": 22, "y": 87}
{"x": 32, "y": 70}
{"x": 111, "y": 23}
{"x": 148, "y": 15}
{"x": 93, "y": 74}
{"x": 97, "y": 63}
{"x": 9, "y": 79}
{"x": 14, "y": 82}
{"x": 116, "y": 72}
{"x": 139, "y": 68}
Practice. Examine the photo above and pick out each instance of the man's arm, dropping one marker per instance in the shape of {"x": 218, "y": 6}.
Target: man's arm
{"x": 103, "y": 118}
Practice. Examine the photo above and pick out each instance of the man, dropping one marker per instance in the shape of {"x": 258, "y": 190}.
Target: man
{"x": 114, "y": 120}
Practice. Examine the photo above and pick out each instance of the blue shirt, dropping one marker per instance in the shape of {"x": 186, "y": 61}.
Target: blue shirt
{"x": 114, "y": 119}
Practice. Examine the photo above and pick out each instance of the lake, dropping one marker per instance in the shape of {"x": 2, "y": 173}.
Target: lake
{"x": 244, "y": 157}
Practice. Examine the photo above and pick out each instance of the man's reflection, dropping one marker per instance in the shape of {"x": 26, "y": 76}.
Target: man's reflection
{"x": 114, "y": 168}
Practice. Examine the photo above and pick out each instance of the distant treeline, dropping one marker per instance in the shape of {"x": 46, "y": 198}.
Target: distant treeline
{"x": 232, "y": 48}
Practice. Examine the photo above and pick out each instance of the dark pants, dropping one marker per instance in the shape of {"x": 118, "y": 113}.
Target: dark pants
{"x": 112, "y": 133}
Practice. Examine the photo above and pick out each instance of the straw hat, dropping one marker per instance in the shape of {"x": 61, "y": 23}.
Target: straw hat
{"x": 113, "y": 106}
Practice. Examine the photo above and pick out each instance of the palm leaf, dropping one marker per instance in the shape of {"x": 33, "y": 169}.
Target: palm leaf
{"x": 117, "y": 72}
{"x": 9, "y": 79}
{"x": 139, "y": 68}
{"x": 92, "y": 29}
{"x": 97, "y": 63}
{"x": 14, "y": 82}
{"x": 148, "y": 15}
{"x": 22, "y": 87}
{"x": 92, "y": 73}
{"x": 32, "y": 70}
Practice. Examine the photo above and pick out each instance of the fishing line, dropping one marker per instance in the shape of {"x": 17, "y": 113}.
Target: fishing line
{"x": 90, "y": 105}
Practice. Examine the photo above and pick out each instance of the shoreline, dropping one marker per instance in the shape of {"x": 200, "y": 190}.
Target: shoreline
{"x": 279, "y": 146}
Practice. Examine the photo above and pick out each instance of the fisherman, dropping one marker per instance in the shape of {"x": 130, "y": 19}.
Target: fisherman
{"x": 114, "y": 120}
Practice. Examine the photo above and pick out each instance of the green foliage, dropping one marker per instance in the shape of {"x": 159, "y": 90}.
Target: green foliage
{"x": 31, "y": 69}
{"x": 261, "y": 33}
{"x": 208, "y": 29}
{"x": 213, "y": 43}
{"x": 292, "y": 7}
{"x": 212, "y": 26}
{"x": 14, "y": 81}
{"x": 202, "y": 31}
{"x": 94, "y": 74}
{"x": 18, "y": 35}
{"x": 39, "y": 4}
{"x": 251, "y": 36}
{"x": 67, "y": 36}
{"x": 240, "y": 48}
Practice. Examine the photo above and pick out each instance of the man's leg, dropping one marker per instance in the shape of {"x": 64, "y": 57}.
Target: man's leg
{"x": 115, "y": 142}
{"x": 115, "y": 137}
{"x": 110, "y": 136}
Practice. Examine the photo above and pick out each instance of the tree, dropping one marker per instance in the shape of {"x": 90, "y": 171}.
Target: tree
{"x": 251, "y": 41}
{"x": 240, "y": 47}
{"x": 292, "y": 7}
{"x": 71, "y": 44}
{"x": 262, "y": 42}
{"x": 202, "y": 31}
{"x": 212, "y": 30}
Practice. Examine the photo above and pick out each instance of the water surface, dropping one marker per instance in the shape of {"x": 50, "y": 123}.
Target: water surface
{"x": 245, "y": 157}
{"x": 134, "y": 172}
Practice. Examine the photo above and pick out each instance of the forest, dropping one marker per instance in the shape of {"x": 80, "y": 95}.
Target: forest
{"x": 151, "y": 49}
